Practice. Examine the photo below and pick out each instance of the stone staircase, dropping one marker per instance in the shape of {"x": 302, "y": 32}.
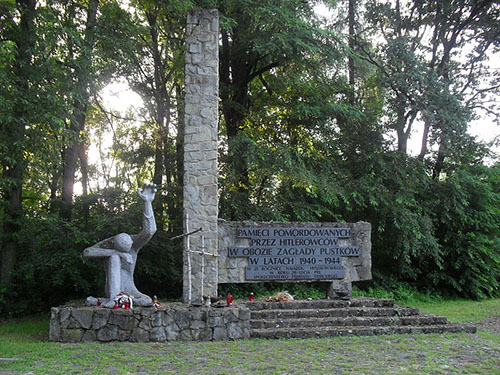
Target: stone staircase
{"x": 354, "y": 316}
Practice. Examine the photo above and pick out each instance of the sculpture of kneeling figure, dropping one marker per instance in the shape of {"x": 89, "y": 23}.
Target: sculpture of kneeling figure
{"x": 120, "y": 254}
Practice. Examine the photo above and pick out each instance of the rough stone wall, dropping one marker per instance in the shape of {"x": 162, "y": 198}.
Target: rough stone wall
{"x": 170, "y": 323}
{"x": 200, "y": 150}
{"x": 232, "y": 270}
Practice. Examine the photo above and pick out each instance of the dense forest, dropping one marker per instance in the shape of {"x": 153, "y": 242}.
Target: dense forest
{"x": 317, "y": 110}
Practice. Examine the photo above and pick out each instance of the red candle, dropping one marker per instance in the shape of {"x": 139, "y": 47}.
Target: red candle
{"x": 251, "y": 297}
{"x": 229, "y": 299}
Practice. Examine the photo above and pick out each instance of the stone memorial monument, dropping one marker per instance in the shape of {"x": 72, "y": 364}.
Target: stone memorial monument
{"x": 338, "y": 253}
{"x": 200, "y": 155}
{"x": 216, "y": 251}
{"x": 120, "y": 255}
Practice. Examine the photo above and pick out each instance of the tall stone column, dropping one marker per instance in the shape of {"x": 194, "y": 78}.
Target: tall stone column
{"x": 200, "y": 154}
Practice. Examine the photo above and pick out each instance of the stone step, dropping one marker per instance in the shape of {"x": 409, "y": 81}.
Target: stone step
{"x": 278, "y": 333}
{"x": 420, "y": 320}
{"x": 321, "y": 304}
{"x": 335, "y": 312}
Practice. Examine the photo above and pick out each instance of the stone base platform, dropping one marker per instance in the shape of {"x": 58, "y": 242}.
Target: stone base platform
{"x": 259, "y": 319}
{"x": 339, "y": 317}
{"x": 169, "y": 322}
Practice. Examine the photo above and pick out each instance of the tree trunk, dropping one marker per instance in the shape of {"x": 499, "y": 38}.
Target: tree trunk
{"x": 352, "y": 9}
{"x": 425, "y": 136}
{"x": 438, "y": 166}
{"x": 13, "y": 168}
{"x": 77, "y": 125}
{"x": 84, "y": 167}
{"x": 54, "y": 186}
{"x": 162, "y": 115}
{"x": 179, "y": 140}
{"x": 234, "y": 99}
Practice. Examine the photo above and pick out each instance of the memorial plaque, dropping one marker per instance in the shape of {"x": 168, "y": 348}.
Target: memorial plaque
{"x": 294, "y": 272}
{"x": 294, "y": 261}
{"x": 294, "y": 253}
{"x": 345, "y": 251}
{"x": 319, "y": 232}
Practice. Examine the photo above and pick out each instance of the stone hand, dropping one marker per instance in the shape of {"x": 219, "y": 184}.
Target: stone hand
{"x": 147, "y": 193}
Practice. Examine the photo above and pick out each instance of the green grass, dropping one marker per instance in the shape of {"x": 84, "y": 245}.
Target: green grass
{"x": 25, "y": 341}
{"x": 33, "y": 328}
{"x": 395, "y": 354}
{"x": 460, "y": 311}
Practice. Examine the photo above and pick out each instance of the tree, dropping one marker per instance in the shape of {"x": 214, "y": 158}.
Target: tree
{"x": 257, "y": 39}
{"x": 80, "y": 58}
{"x": 425, "y": 71}
{"x": 20, "y": 35}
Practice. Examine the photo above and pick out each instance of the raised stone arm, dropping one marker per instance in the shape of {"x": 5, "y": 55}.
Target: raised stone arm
{"x": 147, "y": 194}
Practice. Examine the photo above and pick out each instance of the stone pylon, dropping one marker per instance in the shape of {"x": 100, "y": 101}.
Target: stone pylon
{"x": 200, "y": 155}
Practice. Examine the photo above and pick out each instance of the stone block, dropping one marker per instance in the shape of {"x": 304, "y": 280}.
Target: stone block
{"x": 124, "y": 335}
{"x": 54, "y": 331}
{"x": 193, "y": 98}
{"x": 107, "y": 333}
{"x": 244, "y": 314}
{"x": 196, "y": 58}
{"x": 158, "y": 334}
{"x": 206, "y": 37}
{"x": 220, "y": 333}
{"x": 64, "y": 314}
{"x": 214, "y": 24}
{"x": 145, "y": 323}
{"x": 122, "y": 321}
{"x": 89, "y": 336}
{"x": 206, "y": 113}
{"x": 234, "y": 331}
{"x": 191, "y": 69}
{"x": 193, "y": 17}
{"x": 205, "y": 23}
{"x": 211, "y": 62}
{"x": 172, "y": 333}
{"x": 193, "y": 89}
{"x": 201, "y": 334}
{"x": 183, "y": 319}
{"x": 185, "y": 335}
{"x": 194, "y": 48}
{"x": 193, "y": 156}
{"x": 211, "y": 155}
{"x": 207, "y": 180}
{"x": 197, "y": 324}
{"x": 232, "y": 315}
{"x": 72, "y": 335}
{"x": 139, "y": 335}
{"x": 215, "y": 321}
{"x": 83, "y": 316}
{"x": 70, "y": 323}
{"x": 157, "y": 318}
{"x": 100, "y": 318}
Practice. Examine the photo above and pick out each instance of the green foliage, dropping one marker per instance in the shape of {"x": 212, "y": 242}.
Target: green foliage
{"x": 295, "y": 144}
{"x": 51, "y": 269}
{"x": 467, "y": 227}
